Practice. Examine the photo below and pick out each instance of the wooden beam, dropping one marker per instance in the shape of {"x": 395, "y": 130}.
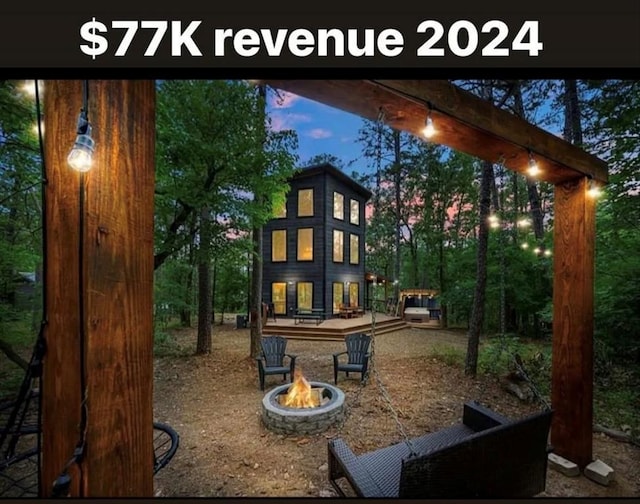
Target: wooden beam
{"x": 463, "y": 121}
{"x": 572, "y": 352}
{"x": 117, "y": 290}
{"x": 61, "y": 370}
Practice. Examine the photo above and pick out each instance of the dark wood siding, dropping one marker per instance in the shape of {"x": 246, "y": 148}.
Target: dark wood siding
{"x": 322, "y": 271}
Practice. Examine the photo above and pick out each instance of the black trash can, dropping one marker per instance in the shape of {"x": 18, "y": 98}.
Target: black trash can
{"x": 241, "y": 321}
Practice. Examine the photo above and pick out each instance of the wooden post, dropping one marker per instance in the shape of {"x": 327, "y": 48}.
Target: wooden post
{"x": 572, "y": 361}
{"x": 117, "y": 262}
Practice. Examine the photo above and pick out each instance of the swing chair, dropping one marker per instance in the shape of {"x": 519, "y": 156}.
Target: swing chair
{"x": 485, "y": 456}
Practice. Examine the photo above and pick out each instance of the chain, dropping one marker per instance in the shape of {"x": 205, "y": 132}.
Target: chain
{"x": 385, "y": 395}
{"x": 381, "y": 387}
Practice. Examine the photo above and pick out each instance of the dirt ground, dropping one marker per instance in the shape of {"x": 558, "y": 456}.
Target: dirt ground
{"x": 214, "y": 402}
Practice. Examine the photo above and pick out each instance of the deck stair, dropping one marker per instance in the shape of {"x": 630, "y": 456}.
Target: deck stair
{"x": 333, "y": 329}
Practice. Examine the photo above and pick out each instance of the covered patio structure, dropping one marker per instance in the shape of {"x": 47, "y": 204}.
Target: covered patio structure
{"x": 98, "y": 370}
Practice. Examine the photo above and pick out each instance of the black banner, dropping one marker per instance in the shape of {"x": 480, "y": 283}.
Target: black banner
{"x": 417, "y": 36}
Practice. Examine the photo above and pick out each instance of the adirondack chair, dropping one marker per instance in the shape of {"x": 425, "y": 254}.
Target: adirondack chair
{"x": 271, "y": 360}
{"x": 357, "y": 353}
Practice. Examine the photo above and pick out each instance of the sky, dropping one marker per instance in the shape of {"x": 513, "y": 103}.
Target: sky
{"x": 321, "y": 129}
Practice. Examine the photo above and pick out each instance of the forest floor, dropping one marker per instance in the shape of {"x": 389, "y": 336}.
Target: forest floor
{"x": 214, "y": 403}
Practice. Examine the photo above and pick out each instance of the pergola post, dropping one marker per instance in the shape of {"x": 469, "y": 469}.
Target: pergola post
{"x": 100, "y": 333}
{"x": 572, "y": 351}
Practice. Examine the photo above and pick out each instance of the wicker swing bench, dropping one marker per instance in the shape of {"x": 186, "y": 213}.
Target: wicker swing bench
{"x": 486, "y": 456}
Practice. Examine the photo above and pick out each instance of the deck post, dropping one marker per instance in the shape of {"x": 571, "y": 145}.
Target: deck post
{"x": 573, "y": 295}
{"x": 100, "y": 329}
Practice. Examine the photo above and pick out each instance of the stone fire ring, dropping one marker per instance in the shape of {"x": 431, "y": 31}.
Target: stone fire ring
{"x": 285, "y": 420}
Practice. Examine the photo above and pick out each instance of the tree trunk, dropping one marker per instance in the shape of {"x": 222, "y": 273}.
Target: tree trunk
{"x": 477, "y": 313}
{"x": 203, "y": 345}
{"x": 256, "y": 278}
{"x": 572, "y": 124}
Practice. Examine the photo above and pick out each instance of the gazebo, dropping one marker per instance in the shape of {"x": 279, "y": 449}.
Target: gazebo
{"x": 98, "y": 369}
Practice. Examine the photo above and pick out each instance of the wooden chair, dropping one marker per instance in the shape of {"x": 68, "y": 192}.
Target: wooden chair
{"x": 271, "y": 360}
{"x": 357, "y": 353}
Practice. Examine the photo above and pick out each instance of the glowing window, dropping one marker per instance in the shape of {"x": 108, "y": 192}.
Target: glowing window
{"x": 279, "y": 245}
{"x": 305, "y": 244}
{"x": 338, "y": 206}
{"x": 354, "y": 249}
{"x": 354, "y": 214}
{"x": 305, "y": 203}
{"x": 338, "y": 245}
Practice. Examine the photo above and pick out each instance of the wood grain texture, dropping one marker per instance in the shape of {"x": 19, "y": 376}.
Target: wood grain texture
{"x": 61, "y": 369}
{"x": 118, "y": 288}
{"x": 573, "y": 298}
{"x": 463, "y": 121}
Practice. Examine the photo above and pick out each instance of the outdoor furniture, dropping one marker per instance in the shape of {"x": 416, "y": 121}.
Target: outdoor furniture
{"x": 485, "y": 456}
{"x": 271, "y": 360}
{"x": 357, "y": 353}
{"x": 315, "y": 315}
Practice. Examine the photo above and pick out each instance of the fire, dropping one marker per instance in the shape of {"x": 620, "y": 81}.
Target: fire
{"x": 300, "y": 394}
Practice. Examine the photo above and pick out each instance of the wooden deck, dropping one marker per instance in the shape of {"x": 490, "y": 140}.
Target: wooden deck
{"x": 331, "y": 329}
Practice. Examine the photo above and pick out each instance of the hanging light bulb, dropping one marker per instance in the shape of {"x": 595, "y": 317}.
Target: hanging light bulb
{"x": 428, "y": 130}
{"x": 594, "y": 189}
{"x": 547, "y": 253}
{"x": 80, "y": 157}
{"x": 524, "y": 246}
{"x": 533, "y": 169}
{"x": 494, "y": 221}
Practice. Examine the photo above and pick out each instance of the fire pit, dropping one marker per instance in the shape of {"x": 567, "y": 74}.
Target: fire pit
{"x": 302, "y": 407}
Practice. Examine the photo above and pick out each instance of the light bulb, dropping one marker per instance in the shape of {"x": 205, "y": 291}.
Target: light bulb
{"x": 80, "y": 157}
{"x": 525, "y": 246}
{"x": 494, "y": 221}
{"x": 428, "y": 130}
{"x": 533, "y": 169}
{"x": 524, "y": 222}
{"x": 594, "y": 189}
{"x": 547, "y": 253}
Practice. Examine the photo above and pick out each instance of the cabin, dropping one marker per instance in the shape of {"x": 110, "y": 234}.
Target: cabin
{"x": 314, "y": 248}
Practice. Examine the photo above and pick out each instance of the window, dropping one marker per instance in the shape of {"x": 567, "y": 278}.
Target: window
{"x": 305, "y": 244}
{"x": 354, "y": 249}
{"x": 353, "y": 294}
{"x": 279, "y": 245}
{"x": 305, "y": 202}
{"x": 338, "y": 296}
{"x": 305, "y": 295}
{"x": 279, "y": 297}
{"x": 354, "y": 215}
{"x": 338, "y": 246}
{"x": 338, "y": 206}
{"x": 280, "y": 210}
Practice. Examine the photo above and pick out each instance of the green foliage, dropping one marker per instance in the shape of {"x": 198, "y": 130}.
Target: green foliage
{"x": 447, "y": 354}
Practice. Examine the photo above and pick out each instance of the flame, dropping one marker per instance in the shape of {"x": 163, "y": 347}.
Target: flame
{"x": 300, "y": 394}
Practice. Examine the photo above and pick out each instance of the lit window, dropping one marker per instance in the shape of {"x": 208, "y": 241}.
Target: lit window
{"x": 338, "y": 246}
{"x": 279, "y": 245}
{"x": 338, "y": 206}
{"x": 338, "y": 296}
{"x": 354, "y": 215}
{"x": 305, "y": 203}
{"x": 279, "y": 297}
{"x": 354, "y": 249}
{"x": 280, "y": 210}
{"x": 305, "y": 295}
{"x": 305, "y": 244}
{"x": 353, "y": 294}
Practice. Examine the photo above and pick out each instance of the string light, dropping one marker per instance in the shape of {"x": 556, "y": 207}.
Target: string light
{"x": 524, "y": 246}
{"x": 428, "y": 130}
{"x": 594, "y": 189}
{"x": 533, "y": 169}
{"x": 494, "y": 221}
{"x": 80, "y": 157}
